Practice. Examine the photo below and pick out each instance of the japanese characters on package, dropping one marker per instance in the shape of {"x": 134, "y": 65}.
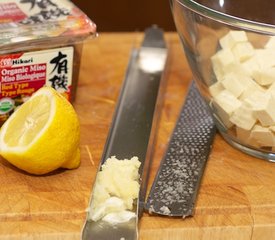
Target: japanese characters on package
{"x": 40, "y": 44}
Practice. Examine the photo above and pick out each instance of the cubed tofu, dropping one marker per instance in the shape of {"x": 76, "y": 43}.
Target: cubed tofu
{"x": 250, "y": 66}
{"x": 270, "y": 43}
{"x": 223, "y": 62}
{"x": 245, "y": 136}
{"x": 264, "y": 110}
{"x": 264, "y": 76}
{"x": 244, "y": 94}
{"x": 216, "y": 88}
{"x": 224, "y": 104}
{"x": 265, "y": 58}
{"x": 271, "y": 88}
{"x": 251, "y": 87}
{"x": 243, "y": 117}
{"x": 222, "y": 116}
{"x": 243, "y": 51}
{"x": 254, "y": 98}
{"x": 263, "y": 136}
{"x": 232, "y": 83}
{"x": 233, "y": 37}
{"x": 272, "y": 128}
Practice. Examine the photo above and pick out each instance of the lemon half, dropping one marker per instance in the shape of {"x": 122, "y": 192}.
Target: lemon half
{"x": 42, "y": 134}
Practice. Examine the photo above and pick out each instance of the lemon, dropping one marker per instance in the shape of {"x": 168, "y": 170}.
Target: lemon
{"x": 42, "y": 134}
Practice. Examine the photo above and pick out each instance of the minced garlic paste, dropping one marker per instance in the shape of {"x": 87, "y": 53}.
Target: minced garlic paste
{"x": 116, "y": 188}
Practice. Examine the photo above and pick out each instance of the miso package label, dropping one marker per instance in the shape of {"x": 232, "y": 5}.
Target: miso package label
{"x": 21, "y": 74}
{"x": 34, "y": 11}
{"x": 22, "y": 20}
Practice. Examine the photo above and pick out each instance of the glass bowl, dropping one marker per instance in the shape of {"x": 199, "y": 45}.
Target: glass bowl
{"x": 230, "y": 47}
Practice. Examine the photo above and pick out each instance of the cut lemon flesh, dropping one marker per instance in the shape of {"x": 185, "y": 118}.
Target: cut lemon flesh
{"x": 42, "y": 135}
{"x": 35, "y": 119}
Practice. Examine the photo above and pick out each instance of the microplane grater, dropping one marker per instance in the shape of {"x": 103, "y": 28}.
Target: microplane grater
{"x": 175, "y": 187}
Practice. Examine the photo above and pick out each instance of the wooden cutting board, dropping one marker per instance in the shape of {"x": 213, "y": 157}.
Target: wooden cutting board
{"x": 236, "y": 198}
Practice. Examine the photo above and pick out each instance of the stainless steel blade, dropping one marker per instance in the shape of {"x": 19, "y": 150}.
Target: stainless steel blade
{"x": 176, "y": 185}
{"x": 132, "y": 130}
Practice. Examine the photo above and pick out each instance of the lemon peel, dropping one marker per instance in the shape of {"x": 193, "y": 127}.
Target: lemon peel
{"x": 42, "y": 135}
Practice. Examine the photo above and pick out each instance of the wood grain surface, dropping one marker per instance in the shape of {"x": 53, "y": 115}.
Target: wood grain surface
{"x": 236, "y": 199}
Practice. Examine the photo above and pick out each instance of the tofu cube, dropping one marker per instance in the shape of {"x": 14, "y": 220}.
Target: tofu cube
{"x": 250, "y": 65}
{"x": 231, "y": 83}
{"x": 270, "y": 43}
{"x": 221, "y": 115}
{"x": 233, "y": 37}
{"x": 224, "y": 104}
{"x": 243, "y": 117}
{"x": 271, "y": 88}
{"x": 264, "y": 110}
{"x": 251, "y": 87}
{"x": 245, "y": 136}
{"x": 216, "y": 88}
{"x": 223, "y": 62}
{"x": 265, "y": 58}
{"x": 264, "y": 76}
{"x": 272, "y": 129}
{"x": 255, "y": 97}
{"x": 243, "y": 51}
{"x": 227, "y": 101}
{"x": 263, "y": 136}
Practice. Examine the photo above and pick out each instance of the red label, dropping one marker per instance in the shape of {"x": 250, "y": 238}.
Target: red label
{"x": 23, "y": 80}
{"x": 10, "y": 12}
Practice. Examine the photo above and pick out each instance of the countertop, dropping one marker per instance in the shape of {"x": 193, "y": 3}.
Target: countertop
{"x": 236, "y": 199}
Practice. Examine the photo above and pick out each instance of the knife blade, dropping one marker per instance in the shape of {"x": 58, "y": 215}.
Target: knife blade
{"x": 175, "y": 187}
{"x": 132, "y": 129}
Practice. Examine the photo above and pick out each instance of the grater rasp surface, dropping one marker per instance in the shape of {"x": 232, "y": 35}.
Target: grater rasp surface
{"x": 175, "y": 187}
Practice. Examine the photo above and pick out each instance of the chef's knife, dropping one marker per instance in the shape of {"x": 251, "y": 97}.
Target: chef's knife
{"x": 176, "y": 184}
{"x": 132, "y": 130}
